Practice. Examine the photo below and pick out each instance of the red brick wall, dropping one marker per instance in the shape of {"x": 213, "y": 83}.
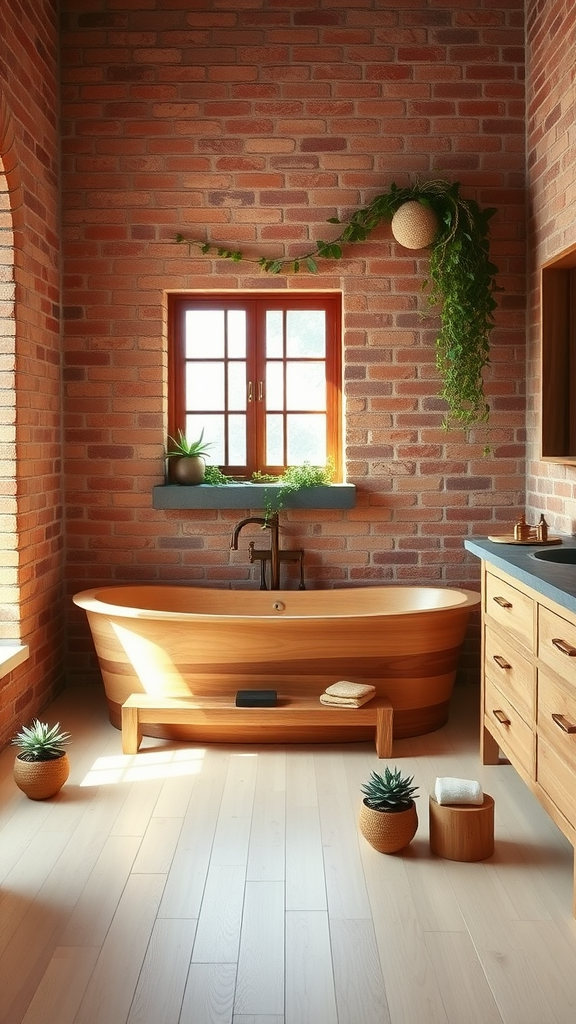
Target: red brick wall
{"x": 31, "y": 523}
{"x": 251, "y": 123}
{"x": 551, "y": 166}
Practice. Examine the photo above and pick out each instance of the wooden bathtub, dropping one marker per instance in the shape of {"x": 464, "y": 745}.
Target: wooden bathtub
{"x": 179, "y": 641}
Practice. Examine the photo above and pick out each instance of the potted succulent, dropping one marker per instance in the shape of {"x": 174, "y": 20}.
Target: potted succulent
{"x": 388, "y": 818}
{"x": 42, "y": 767}
{"x": 189, "y": 466}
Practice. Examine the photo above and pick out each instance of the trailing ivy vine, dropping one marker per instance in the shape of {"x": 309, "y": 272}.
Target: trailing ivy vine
{"x": 462, "y": 281}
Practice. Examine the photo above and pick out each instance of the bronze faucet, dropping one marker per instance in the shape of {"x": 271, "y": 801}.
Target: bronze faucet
{"x": 274, "y": 555}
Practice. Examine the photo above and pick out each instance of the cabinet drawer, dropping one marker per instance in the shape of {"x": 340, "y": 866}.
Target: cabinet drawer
{"x": 512, "y": 673}
{"x": 510, "y": 608}
{"x": 556, "y": 716}
{"x": 508, "y": 728}
{"x": 557, "y": 779}
{"x": 557, "y": 643}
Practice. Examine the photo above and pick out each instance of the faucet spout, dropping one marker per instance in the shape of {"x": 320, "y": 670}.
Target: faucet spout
{"x": 240, "y": 526}
{"x": 268, "y": 523}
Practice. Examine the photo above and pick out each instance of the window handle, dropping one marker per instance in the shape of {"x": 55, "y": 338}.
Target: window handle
{"x": 250, "y": 393}
{"x": 260, "y": 390}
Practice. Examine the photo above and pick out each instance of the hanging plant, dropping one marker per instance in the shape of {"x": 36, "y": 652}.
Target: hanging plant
{"x": 462, "y": 279}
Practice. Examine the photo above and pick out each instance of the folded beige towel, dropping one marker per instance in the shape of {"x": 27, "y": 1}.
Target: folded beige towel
{"x": 347, "y": 689}
{"x": 346, "y": 702}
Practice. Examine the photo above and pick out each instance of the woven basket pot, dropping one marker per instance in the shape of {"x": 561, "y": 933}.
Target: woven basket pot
{"x": 415, "y": 226}
{"x": 388, "y": 831}
{"x": 41, "y": 779}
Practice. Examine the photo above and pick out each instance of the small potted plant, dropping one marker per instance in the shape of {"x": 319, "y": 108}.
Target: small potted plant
{"x": 42, "y": 767}
{"x": 388, "y": 818}
{"x": 189, "y": 465}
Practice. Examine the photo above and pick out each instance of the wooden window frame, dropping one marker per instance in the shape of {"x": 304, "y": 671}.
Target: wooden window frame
{"x": 256, "y": 305}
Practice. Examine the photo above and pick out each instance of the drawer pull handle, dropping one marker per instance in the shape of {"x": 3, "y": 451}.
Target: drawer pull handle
{"x": 564, "y": 647}
{"x": 500, "y": 716}
{"x": 564, "y": 724}
{"x": 502, "y": 602}
{"x": 501, "y": 662}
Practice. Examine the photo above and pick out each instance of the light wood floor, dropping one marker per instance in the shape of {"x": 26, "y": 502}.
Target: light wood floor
{"x": 192, "y": 885}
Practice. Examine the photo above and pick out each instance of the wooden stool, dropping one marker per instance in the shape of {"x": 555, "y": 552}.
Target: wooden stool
{"x": 462, "y": 831}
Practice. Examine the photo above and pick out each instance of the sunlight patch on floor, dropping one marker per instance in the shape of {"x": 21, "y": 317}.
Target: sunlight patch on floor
{"x": 142, "y": 767}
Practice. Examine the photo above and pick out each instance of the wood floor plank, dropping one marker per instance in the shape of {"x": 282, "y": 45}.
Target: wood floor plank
{"x": 414, "y": 994}
{"x": 93, "y": 912}
{"x": 257, "y": 1018}
{"x": 260, "y": 982}
{"x": 23, "y": 883}
{"x": 220, "y": 920}
{"x": 345, "y": 886}
{"x": 189, "y": 869}
{"x": 235, "y": 816}
{"x": 160, "y": 990}
{"x": 209, "y": 994}
{"x": 490, "y": 922}
{"x": 360, "y": 990}
{"x": 135, "y": 813}
{"x": 550, "y": 956}
{"x": 266, "y": 853}
{"x": 305, "y": 881}
{"x": 62, "y": 987}
{"x": 113, "y": 982}
{"x": 465, "y": 991}
{"x": 158, "y": 846}
{"x": 310, "y": 991}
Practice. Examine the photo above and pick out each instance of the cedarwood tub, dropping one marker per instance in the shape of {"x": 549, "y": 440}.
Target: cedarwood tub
{"x": 185, "y": 641}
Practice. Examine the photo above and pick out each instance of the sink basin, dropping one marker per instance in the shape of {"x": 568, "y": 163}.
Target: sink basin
{"x": 562, "y": 556}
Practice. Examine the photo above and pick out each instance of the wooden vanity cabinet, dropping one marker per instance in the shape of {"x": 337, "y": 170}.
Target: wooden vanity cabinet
{"x": 529, "y": 692}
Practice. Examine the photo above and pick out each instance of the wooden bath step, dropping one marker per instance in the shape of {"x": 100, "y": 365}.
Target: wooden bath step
{"x": 293, "y": 712}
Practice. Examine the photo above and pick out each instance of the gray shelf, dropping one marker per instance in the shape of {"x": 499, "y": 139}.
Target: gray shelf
{"x": 251, "y": 496}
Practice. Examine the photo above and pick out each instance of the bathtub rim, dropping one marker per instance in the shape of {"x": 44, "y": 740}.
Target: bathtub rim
{"x": 91, "y": 602}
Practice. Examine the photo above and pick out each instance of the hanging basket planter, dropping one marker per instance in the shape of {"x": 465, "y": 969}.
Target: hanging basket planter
{"x": 461, "y": 279}
{"x": 414, "y": 225}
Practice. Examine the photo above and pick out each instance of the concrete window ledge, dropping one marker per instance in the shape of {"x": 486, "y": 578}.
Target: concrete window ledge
{"x": 251, "y": 496}
{"x": 12, "y": 655}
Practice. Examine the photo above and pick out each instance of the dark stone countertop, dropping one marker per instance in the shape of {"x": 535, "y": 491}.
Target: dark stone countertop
{"x": 554, "y": 581}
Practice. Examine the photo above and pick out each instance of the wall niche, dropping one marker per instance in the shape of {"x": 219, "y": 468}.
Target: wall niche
{"x": 558, "y": 305}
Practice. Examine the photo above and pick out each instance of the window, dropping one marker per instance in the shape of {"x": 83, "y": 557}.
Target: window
{"x": 260, "y": 374}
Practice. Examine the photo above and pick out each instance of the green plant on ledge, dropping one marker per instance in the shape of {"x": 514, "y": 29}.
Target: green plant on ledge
{"x": 462, "y": 280}
{"x": 213, "y": 475}
{"x": 182, "y": 448}
{"x": 294, "y": 478}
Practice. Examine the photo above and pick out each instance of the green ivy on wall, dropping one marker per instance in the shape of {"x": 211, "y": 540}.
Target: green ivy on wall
{"x": 462, "y": 281}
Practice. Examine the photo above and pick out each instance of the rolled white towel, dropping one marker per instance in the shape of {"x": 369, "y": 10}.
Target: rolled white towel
{"x": 458, "y": 791}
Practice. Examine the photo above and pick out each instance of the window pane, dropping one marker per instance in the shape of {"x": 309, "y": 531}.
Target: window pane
{"x": 306, "y": 439}
{"x": 213, "y": 427}
{"x": 237, "y": 440}
{"x": 274, "y": 341}
{"x": 274, "y": 440}
{"x": 236, "y": 385}
{"x": 306, "y": 333}
{"x": 275, "y": 385}
{"x": 237, "y": 333}
{"x": 204, "y": 332}
{"x": 306, "y": 386}
{"x": 204, "y": 386}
